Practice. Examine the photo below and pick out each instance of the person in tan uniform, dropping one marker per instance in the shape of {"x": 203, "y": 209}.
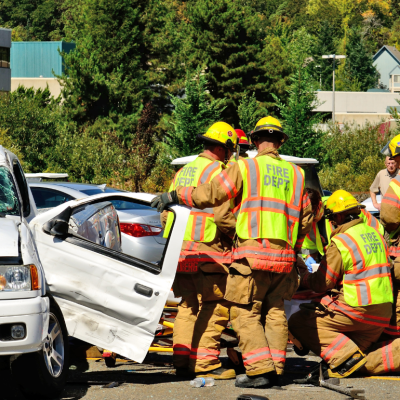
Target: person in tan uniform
{"x": 274, "y": 217}
{"x": 356, "y": 274}
{"x": 202, "y": 272}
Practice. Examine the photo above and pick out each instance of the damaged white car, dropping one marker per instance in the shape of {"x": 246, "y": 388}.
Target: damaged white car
{"x": 65, "y": 273}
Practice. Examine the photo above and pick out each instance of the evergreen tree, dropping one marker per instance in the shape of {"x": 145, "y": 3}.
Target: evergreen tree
{"x": 359, "y": 64}
{"x": 193, "y": 115}
{"x": 321, "y": 69}
{"x": 299, "y": 120}
{"x": 105, "y": 74}
{"x": 249, "y": 112}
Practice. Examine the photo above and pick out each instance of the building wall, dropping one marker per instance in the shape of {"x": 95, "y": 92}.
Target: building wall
{"x": 38, "y": 59}
{"x": 36, "y": 83}
{"x": 384, "y": 64}
{"x": 358, "y": 107}
{"x": 5, "y": 73}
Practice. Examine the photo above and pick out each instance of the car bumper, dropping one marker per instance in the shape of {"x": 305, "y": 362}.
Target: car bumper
{"x": 34, "y": 313}
{"x": 145, "y": 248}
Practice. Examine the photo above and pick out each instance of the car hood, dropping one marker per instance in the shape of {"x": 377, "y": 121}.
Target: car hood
{"x": 369, "y": 206}
{"x": 9, "y": 238}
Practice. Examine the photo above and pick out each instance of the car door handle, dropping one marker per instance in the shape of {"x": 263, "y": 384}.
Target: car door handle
{"x": 143, "y": 290}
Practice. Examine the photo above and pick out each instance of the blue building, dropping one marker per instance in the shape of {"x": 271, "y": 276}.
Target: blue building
{"x": 33, "y": 64}
{"x": 5, "y": 71}
{"x": 387, "y": 62}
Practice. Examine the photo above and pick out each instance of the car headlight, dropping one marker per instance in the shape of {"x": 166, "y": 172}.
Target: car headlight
{"x": 15, "y": 278}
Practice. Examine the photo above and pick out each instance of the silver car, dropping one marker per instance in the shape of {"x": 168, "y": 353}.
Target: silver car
{"x": 141, "y": 231}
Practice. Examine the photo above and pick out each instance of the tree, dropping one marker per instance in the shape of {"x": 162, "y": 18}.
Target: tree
{"x": 359, "y": 64}
{"x": 249, "y": 112}
{"x": 192, "y": 115}
{"x": 105, "y": 74}
{"x": 299, "y": 120}
{"x": 30, "y": 120}
{"x": 321, "y": 69}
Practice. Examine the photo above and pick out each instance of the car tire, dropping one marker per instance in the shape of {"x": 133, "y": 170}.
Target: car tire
{"x": 43, "y": 374}
{"x": 303, "y": 352}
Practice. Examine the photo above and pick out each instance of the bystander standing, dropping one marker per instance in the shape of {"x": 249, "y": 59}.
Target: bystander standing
{"x": 382, "y": 180}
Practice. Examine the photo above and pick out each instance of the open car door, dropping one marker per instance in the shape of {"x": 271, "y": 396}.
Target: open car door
{"x": 107, "y": 298}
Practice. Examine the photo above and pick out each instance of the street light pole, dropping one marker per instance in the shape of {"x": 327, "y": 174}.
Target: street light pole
{"x": 334, "y": 57}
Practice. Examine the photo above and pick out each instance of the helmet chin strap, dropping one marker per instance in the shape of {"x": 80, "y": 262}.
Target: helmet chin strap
{"x": 226, "y": 156}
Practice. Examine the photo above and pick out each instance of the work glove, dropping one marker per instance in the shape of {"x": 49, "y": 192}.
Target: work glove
{"x": 163, "y": 201}
{"x": 310, "y": 261}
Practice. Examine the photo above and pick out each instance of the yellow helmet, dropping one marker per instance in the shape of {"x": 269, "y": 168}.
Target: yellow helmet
{"x": 341, "y": 201}
{"x": 270, "y": 125}
{"x": 220, "y": 133}
{"x": 392, "y": 148}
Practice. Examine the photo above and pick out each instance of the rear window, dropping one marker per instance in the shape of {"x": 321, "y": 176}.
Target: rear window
{"x": 91, "y": 192}
{"x": 121, "y": 205}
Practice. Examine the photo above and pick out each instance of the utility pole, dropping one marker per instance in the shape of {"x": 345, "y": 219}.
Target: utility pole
{"x": 334, "y": 57}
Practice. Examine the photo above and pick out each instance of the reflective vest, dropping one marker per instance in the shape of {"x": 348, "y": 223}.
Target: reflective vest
{"x": 201, "y": 226}
{"x": 313, "y": 243}
{"x": 271, "y": 199}
{"x": 367, "y": 278}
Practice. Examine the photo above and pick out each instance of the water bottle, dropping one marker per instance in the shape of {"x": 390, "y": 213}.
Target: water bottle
{"x": 201, "y": 382}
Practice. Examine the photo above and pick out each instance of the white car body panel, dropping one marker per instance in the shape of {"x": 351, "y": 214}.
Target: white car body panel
{"x": 369, "y": 206}
{"x": 96, "y": 292}
{"x": 252, "y": 154}
{"x": 9, "y": 237}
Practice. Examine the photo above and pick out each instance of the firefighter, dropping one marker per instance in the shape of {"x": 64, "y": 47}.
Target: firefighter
{"x": 384, "y": 356}
{"x": 244, "y": 146}
{"x": 315, "y": 244}
{"x": 274, "y": 217}
{"x": 356, "y": 274}
{"x": 201, "y": 275}
{"x": 390, "y": 219}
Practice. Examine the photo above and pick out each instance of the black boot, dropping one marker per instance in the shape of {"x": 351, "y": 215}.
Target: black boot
{"x": 256, "y": 381}
{"x": 313, "y": 376}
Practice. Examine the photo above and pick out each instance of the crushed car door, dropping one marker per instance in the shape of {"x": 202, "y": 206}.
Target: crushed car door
{"x": 107, "y": 298}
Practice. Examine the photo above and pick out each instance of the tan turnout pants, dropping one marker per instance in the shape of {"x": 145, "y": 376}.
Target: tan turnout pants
{"x": 332, "y": 334}
{"x": 253, "y": 293}
{"x": 202, "y": 316}
{"x": 383, "y": 357}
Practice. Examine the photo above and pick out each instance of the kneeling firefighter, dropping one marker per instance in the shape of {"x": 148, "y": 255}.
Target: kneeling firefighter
{"x": 356, "y": 272}
{"x": 202, "y": 272}
{"x": 274, "y": 216}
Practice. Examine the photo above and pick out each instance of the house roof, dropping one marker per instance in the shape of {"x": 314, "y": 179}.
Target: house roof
{"x": 391, "y": 49}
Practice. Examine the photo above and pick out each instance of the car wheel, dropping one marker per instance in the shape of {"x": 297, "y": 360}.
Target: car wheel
{"x": 42, "y": 375}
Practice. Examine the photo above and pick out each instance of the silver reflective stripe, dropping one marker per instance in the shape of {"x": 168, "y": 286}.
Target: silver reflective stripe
{"x": 353, "y": 247}
{"x": 264, "y": 243}
{"x": 263, "y": 203}
{"x": 254, "y": 224}
{"x": 363, "y": 293}
{"x": 312, "y": 237}
{"x": 253, "y": 178}
{"x": 191, "y": 246}
{"x": 367, "y": 273}
{"x": 387, "y": 354}
{"x": 208, "y": 171}
{"x": 290, "y": 256}
{"x": 198, "y": 222}
{"x": 205, "y": 210}
{"x": 263, "y": 353}
{"x": 326, "y": 355}
{"x": 307, "y": 251}
{"x": 299, "y": 186}
{"x": 276, "y": 355}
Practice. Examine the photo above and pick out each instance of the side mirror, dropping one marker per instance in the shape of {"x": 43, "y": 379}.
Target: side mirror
{"x": 59, "y": 225}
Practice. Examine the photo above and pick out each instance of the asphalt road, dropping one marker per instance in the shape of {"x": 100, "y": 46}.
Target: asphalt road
{"x": 155, "y": 379}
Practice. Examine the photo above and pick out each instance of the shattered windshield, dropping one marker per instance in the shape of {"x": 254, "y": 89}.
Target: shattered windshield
{"x": 9, "y": 203}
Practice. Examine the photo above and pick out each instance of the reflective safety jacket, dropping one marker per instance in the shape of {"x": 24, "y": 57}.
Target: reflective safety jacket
{"x": 313, "y": 241}
{"x": 367, "y": 278}
{"x": 201, "y": 226}
{"x": 390, "y": 215}
{"x": 263, "y": 253}
{"x": 271, "y": 199}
